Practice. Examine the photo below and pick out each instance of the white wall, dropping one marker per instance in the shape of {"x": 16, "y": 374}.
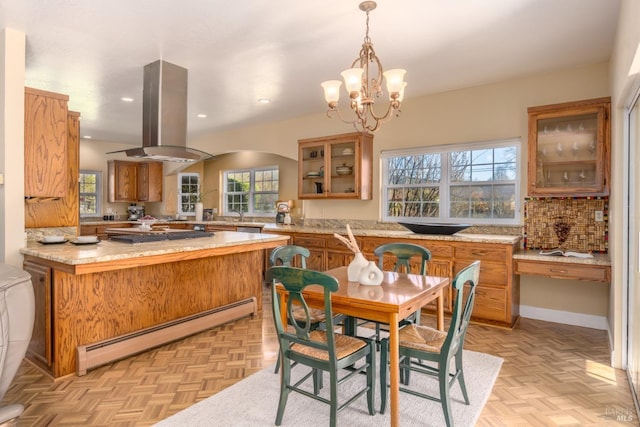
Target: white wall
{"x": 625, "y": 68}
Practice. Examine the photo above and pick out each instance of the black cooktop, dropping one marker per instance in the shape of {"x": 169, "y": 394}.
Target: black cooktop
{"x": 143, "y": 238}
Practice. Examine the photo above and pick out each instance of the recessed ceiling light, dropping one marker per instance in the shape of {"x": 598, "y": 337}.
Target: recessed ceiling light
{"x": 264, "y": 100}
{"x": 126, "y": 99}
{"x": 201, "y": 116}
{"x": 87, "y": 137}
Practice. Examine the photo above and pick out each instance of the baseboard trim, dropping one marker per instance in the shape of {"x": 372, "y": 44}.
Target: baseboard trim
{"x": 566, "y": 317}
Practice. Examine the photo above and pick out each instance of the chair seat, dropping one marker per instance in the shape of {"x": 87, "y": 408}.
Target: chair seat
{"x": 345, "y": 345}
{"x": 422, "y": 338}
{"x": 316, "y": 315}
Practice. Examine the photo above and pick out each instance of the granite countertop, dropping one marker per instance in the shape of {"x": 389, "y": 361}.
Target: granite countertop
{"x": 114, "y": 223}
{"x": 104, "y": 251}
{"x": 533, "y": 255}
{"x": 281, "y": 228}
{"x": 404, "y": 234}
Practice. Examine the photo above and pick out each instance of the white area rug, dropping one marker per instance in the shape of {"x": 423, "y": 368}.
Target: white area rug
{"x": 254, "y": 401}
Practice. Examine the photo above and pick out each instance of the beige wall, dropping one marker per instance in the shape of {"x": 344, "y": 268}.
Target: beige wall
{"x": 288, "y": 172}
{"x": 486, "y": 112}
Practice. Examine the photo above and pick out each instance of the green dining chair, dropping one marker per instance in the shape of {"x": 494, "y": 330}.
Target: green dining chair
{"x": 420, "y": 344}
{"x": 319, "y": 350}
{"x": 288, "y": 256}
{"x": 403, "y": 254}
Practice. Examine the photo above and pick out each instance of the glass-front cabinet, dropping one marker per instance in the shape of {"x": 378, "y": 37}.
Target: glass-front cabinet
{"x": 337, "y": 166}
{"x": 569, "y": 149}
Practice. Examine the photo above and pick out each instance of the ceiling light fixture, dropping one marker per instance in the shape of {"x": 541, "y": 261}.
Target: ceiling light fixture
{"x": 264, "y": 100}
{"x": 126, "y": 99}
{"x": 363, "y": 89}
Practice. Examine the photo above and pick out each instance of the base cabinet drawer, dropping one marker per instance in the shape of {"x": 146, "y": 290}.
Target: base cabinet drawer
{"x": 491, "y": 304}
{"x": 562, "y": 270}
{"x": 492, "y": 273}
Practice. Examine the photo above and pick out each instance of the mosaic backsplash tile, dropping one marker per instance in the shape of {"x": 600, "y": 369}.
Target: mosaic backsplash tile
{"x": 548, "y": 221}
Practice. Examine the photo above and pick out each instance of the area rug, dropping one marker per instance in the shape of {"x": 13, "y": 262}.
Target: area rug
{"x": 254, "y": 401}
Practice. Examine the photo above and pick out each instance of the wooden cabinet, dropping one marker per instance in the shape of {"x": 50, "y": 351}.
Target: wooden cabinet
{"x": 45, "y": 144}
{"x": 564, "y": 270}
{"x": 336, "y": 167}
{"x": 63, "y": 211}
{"x": 316, "y": 245}
{"x": 569, "y": 149}
{"x": 150, "y": 182}
{"x": 439, "y": 265}
{"x": 498, "y": 292}
{"x": 134, "y": 181}
{"x": 40, "y": 349}
{"x": 123, "y": 181}
{"x": 100, "y": 230}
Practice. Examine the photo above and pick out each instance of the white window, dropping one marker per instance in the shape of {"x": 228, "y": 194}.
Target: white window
{"x": 188, "y": 193}
{"x": 252, "y": 191}
{"x": 90, "y": 185}
{"x": 474, "y": 183}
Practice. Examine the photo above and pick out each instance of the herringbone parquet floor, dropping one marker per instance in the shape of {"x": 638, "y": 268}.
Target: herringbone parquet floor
{"x": 553, "y": 375}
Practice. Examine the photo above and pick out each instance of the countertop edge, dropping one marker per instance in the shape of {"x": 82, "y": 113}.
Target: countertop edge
{"x": 107, "y": 251}
{"x": 533, "y": 255}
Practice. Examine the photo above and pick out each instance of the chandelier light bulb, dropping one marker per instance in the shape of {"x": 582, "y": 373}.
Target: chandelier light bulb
{"x": 394, "y": 79}
{"x": 331, "y": 91}
{"x": 352, "y": 79}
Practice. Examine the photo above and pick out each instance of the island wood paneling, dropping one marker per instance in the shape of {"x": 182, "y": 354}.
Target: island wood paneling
{"x": 101, "y": 305}
{"x": 64, "y": 211}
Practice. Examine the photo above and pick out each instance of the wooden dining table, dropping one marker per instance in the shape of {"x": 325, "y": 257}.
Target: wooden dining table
{"x": 396, "y": 298}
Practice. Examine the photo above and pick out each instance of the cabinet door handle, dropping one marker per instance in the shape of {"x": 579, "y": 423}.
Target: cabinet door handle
{"x": 552, "y": 270}
{"x": 478, "y": 253}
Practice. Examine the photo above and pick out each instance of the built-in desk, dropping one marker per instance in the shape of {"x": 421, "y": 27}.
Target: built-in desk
{"x": 596, "y": 269}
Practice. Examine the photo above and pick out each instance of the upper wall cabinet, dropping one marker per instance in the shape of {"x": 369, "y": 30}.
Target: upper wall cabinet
{"x": 63, "y": 211}
{"x": 134, "y": 181}
{"x": 150, "y": 181}
{"x": 569, "y": 148}
{"x": 335, "y": 167}
{"x": 45, "y": 144}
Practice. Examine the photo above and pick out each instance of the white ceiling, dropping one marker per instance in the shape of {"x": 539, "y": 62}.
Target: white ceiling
{"x": 237, "y": 52}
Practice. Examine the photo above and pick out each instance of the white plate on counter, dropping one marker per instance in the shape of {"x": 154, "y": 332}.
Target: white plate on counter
{"x": 52, "y": 242}
{"x": 80, "y": 242}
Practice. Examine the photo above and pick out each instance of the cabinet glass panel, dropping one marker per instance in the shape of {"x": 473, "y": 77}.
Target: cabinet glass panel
{"x": 343, "y": 160}
{"x": 567, "y": 151}
{"x": 313, "y": 169}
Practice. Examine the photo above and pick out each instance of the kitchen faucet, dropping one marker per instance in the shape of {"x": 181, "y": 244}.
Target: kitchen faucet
{"x": 241, "y": 213}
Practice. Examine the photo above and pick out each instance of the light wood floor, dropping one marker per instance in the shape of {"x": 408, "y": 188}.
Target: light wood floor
{"x": 553, "y": 375}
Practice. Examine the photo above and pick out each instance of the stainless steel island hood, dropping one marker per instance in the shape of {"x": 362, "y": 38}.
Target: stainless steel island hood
{"x": 164, "y": 116}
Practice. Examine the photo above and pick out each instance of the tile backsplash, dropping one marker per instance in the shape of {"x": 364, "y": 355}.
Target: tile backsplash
{"x": 547, "y": 217}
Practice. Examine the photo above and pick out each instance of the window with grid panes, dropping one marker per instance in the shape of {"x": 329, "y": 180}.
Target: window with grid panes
{"x": 251, "y": 191}
{"x": 474, "y": 183}
{"x": 188, "y": 193}
{"x": 90, "y": 184}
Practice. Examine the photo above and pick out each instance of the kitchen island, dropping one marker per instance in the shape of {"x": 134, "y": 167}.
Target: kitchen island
{"x": 99, "y": 302}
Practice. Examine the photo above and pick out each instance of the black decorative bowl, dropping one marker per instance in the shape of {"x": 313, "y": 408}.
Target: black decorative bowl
{"x": 446, "y": 229}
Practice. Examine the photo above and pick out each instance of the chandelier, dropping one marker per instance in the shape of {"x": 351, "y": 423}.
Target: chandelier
{"x": 363, "y": 82}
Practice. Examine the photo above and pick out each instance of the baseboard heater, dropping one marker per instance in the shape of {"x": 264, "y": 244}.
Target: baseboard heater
{"x": 102, "y": 352}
